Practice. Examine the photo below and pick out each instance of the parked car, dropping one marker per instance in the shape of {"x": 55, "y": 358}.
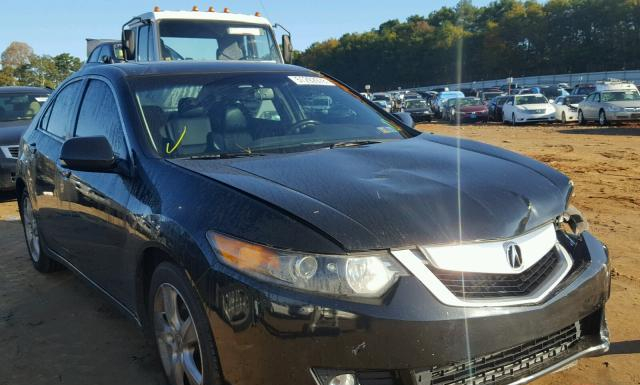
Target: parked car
{"x": 419, "y": 110}
{"x": 610, "y": 106}
{"x": 18, "y": 105}
{"x": 320, "y": 248}
{"x": 495, "y": 107}
{"x": 566, "y": 108}
{"x": 583, "y": 89}
{"x": 383, "y": 104}
{"x": 438, "y": 104}
{"x": 468, "y": 109}
{"x": 528, "y": 108}
{"x": 553, "y": 92}
{"x": 106, "y": 52}
{"x": 487, "y": 95}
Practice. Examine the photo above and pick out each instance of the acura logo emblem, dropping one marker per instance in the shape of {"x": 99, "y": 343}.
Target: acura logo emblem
{"x": 514, "y": 255}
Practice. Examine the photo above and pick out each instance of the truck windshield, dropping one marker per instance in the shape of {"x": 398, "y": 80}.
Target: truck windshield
{"x": 215, "y": 40}
{"x": 221, "y": 114}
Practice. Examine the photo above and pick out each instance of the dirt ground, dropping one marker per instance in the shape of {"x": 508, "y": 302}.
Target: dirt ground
{"x": 56, "y": 330}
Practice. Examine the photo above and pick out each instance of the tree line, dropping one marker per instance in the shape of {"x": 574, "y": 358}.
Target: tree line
{"x": 468, "y": 43}
{"x": 22, "y": 67}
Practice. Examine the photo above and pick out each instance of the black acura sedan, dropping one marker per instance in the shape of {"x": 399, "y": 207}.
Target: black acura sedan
{"x": 263, "y": 239}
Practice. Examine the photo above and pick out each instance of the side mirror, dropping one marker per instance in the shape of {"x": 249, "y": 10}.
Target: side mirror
{"x": 405, "y": 118}
{"x": 128, "y": 44}
{"x": 91, "y": 153}
{"x": 287, "y": 49}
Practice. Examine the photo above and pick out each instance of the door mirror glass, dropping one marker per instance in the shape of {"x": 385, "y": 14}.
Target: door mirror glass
{"x": 287, "y": 49}
{"x": 91, "y": 153}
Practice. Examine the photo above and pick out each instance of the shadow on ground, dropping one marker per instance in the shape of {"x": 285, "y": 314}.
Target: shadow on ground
{"x": 625, "y": 347}
{"x": 7, "y": 196}
{"x": 621, "y": 131}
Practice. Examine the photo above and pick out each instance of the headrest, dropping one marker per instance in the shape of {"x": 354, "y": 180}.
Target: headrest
{"x": 187, "y": 105}
{"x": 234, "y": 120}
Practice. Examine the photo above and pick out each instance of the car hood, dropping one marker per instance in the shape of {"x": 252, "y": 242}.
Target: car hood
{"x": 401, "y": 193}
{"x": 473, "y": 108}
{"x": 11, "y": 132}
{"x": 538, "y": 106}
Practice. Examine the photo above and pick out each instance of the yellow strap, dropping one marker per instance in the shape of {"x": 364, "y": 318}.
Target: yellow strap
{"x": 175, "y": 146}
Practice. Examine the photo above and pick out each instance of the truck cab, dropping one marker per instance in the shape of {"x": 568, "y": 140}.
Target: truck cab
{"x": 201, "y": 36}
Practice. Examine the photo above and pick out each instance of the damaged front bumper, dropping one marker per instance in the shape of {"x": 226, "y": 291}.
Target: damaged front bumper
{"x": 267, "y": 334}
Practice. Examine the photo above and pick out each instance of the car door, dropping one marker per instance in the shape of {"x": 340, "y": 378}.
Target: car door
{"x": 507, "y": 108}
{"x": 44, "y": 144}
{"x": 588, "y": 108}
{"x": 97, "y": 201}
{"x": 559, "y": 107}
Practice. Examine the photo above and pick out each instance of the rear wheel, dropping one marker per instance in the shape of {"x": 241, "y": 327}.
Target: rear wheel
{"x": 183, "y": 336}
{"x": 564, "y": 118}
{"x": 39, "y": 258}
{"x": 602, "y": 118}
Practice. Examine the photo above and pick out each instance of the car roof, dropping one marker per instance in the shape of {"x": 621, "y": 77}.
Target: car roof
{"x": 134, "y": 69}
{"x": 24, "y": 90}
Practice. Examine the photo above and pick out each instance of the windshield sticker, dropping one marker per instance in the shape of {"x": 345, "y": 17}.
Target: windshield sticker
{"x": 310, "y": 81}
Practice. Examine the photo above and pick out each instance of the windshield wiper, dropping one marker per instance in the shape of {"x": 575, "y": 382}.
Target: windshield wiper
{"x": 353, "y": 143}
{"x": 227, "y": 155}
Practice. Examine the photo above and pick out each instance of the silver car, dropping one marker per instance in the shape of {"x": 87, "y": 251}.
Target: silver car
{"x": 610, "y": 106}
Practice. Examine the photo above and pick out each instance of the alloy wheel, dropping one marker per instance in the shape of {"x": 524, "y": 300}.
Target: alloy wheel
{"x": 177, "y": 338}
{"x": 31, "y": 230}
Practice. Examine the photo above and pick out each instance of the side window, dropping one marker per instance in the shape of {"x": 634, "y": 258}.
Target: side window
{"x": 99, "y": 116}
{"x": 597, "y": 98}
{"x": 143, "y": 43}
{"x": 62, "y": 112}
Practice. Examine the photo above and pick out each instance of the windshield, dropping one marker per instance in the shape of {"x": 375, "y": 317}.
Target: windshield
{"x": 418, "y": 103}
{"x": 531, "y": 99}
{"x": 620, "y": 96}
{"x": 268, "y": 112}
{"x": 490, "y": 95}
{"x": 213, "y": 40}
{"x": 20, "y": 106}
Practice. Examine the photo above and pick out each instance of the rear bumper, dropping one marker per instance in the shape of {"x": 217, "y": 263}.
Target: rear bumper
{"x": 283, "y": 336}
{"x": 7, "y": 174}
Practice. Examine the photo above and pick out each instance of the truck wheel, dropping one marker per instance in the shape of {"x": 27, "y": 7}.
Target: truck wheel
{"x": 39, "y": 257}
{"x": 602, "y": 119}
{"x": 181, "y": 329}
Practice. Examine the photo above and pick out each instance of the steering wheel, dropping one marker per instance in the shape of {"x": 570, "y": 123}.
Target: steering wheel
{"x": 303, "y": 123}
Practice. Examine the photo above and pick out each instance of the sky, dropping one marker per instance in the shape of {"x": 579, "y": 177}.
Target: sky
{"x": 53, "y": 27}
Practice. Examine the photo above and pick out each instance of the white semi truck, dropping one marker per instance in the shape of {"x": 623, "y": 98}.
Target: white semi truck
{"x": 196, "y": 35}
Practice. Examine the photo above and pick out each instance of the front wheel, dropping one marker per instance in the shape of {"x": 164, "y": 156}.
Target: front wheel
{"x": 564, "y": 118}
{"x": 183, "y": 336}
{"x": 513, "y": 119}
{"x": 581, "y": 118}
{"x": 602, "y": 118}
{"x": 39, "y": 258}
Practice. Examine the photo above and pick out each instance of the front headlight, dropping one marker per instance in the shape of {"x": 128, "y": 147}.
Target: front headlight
{"x": 574, "y": 220}
{"x": 614, "y": 109}
{"x": 359, "y": 275}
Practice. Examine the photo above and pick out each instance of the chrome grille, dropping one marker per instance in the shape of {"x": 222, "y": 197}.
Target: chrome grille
{"x": 10, "y": 151}
{"x": 483, "y": 285}
{"x": 507, "y": 365}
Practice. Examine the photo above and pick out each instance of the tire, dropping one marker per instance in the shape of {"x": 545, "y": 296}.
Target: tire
{"x": 564, "y": 118}
{"x": 184, "y": 334}
{"x": 581, "y": 119}
{"x": 513, "y": 119}
{"x": 602, "y": 118}
{"x": 39, "y": 258}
